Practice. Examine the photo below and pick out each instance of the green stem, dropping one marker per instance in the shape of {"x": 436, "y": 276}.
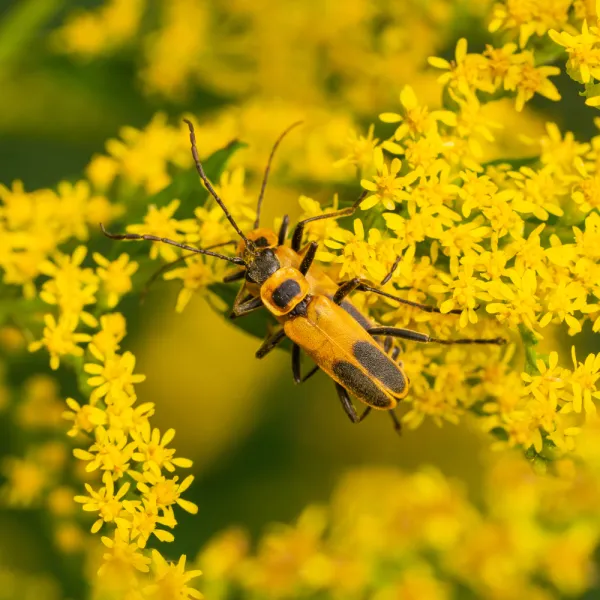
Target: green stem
{"x": 21, "y": 25}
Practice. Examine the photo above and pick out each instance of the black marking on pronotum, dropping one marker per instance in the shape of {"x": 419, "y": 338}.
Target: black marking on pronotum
{"x": 357, "y": 383}
{"x": 286, "y": 292}
{"x": 261, "y": 242}
{"x": 379, "y": 366}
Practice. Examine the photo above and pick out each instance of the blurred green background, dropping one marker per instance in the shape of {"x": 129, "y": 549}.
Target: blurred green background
{"x": 263, "y": 448}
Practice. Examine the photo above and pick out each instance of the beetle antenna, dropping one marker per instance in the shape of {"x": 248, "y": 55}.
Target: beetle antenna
{"x": 153, "y": 238}
{"x": 209, "y": 187}
{"x": 268, "y": 169}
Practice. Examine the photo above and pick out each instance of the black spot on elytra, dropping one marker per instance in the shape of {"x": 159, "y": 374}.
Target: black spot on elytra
{"x": 359, "y": 384}
{"x": 286, "y": 292}
{"x": 379, "y": 366}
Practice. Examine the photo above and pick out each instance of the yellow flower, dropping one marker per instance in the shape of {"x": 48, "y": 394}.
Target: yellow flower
{"x": 239, "y": 202}
{"x": 166, "y": 492}
{"x": 564, "y": 299}
{"x": 171, "y": 579}
{"x": 196, "y": 275}
{"x": 85, "y": 418}
{"x": 92, "y": 33}
{"x": 123, "y": 559}
{"x": 533, "y": 17}
{"x": 114, "y": 377}
{"x": 359, "y": 150}
{"x": 416, "y": 120}
{"x": 519, "y": 302}
{"x": 116, "y": 276}
{"x": 584, "y": 53}
{"x": 26, "y": 480}
{"x": 386, "y": 186}
{"x": 111, "y": 452}
{"x": 60, "y": 339}
{"x": 112, "y": 331}
{"x": 101, "y": 171}
{"x": 105, "y": 501}
{"x": 142, "y": 520}
{"x": 160, "y": 222}
{"x": 583, "y": 382}
{"x": 466, "y": 74}
{"x": 144, "y": 155}
{"x": 71, "y": 288}
{"x": 152, "y": 450}
{"x": 538, "y": 193}
{"x": 547, "y": 384}
{"x": 465, "y": 290}
{"x": 527, "y": 80}
{"x": 358, "y": 254}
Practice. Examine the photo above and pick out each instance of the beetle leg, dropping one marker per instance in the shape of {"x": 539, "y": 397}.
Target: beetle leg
{"x": 348, "y": 406}
{"x": 415, "y": 336}
{"x": 395, "y": 420}
{"x": 296, "y": 366}
{"x": 346, "y": 287}
{"x": 283, "y": 230}
{"x": 344, "y": 212}
{"x": 308, "y": 259}
{"x": 272, "y": 341}
{"x": 248, "y": 305}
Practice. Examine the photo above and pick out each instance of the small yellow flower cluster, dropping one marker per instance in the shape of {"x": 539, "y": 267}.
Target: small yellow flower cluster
{"x": 142, "y": 157}
{"x": 582, "y": 45}
{"x": 386, "y": 534}
{"x": 496, "y": 69}
{"x": 34, "y": 224}
{"x": 102, "y": 31}
{"x": 262, "y": 50}
{"x": 532, "y": 17}
{"x": 129, "y": 467}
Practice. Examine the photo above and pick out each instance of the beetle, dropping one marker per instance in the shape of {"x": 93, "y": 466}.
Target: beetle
{"x": 320, "y": 282}
{"x": 338, "y": 342}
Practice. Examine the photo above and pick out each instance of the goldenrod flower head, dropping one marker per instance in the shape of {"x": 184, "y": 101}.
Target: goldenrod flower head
{"x": 107, "y": 340}
{"x": 71, "y": 287}
{"x": 114, "y": 376}
{"x": 105, "y": 501}
{"x": 466, "y": 73}
{"x": 152, "y": 450}
{"x": 144, "y": 155}
{"x": 527, "y": 80}
{"x": 60, "y": 339}
{"x": 166, "y": 492}
{"x": 26, "y": 480}
{"x": 416, "y": 120}
{"x": 196, "y": 275}
{"x": 160, "y": 222}
{"x": 171, "y": 579}
{"x": 102, "y": 31}
{"x": 387, "y": 187}
{"x": 531, "y": 17}
{"x": 359, "y": 149}
{"x": 116, "y": 276}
